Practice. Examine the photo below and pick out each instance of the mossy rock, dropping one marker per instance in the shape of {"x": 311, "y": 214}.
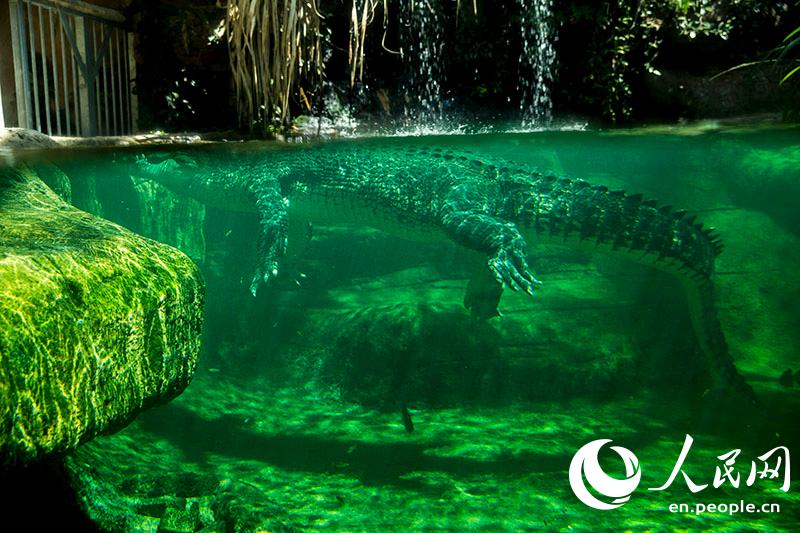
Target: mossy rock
{"x": 769, "y": 181}
{"x": 96, "y": 323}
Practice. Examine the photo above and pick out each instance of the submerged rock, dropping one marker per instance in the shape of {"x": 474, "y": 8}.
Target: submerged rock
{"x": 97, "y": 323}
{"x": 172, "y": 219}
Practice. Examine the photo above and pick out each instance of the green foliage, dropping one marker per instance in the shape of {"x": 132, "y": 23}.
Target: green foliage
{"x": 790, "y": 44}
{"x": 706, "y": 17}
{"x": 625, "y": 42}
{"x": 181, "y": 81}
{"x": 606, "y": 76}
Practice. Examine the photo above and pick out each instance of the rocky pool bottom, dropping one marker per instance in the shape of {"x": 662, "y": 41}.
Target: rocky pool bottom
{"x": 302, "y": 429}
{"x": 234, "y": 457}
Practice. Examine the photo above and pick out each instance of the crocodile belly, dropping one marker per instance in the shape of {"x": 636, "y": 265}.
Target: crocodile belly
{"x": 332, "y": 207}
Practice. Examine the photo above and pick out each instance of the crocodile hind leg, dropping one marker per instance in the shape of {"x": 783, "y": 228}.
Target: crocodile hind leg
{"x": 467, "y": 219}
{"x": 483, "y": 294}
{"x": 300, "y": 233}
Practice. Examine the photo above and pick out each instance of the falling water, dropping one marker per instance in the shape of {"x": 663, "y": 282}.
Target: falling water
{"x": 424, "y": 35}
{"x": 536, "y": 61}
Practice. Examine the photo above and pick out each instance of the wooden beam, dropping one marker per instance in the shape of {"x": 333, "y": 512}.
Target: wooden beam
{"x": 84, "y": 8}
{"x": 85, "y": 84}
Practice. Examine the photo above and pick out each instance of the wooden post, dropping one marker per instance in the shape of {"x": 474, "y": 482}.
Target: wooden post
{"x": 2, "y": 118}
{"x": 86, "y": 89}
{"x": 8, "y": 107}
{"x": 19, "y": 52}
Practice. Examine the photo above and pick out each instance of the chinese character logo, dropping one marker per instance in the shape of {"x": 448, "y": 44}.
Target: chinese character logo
{"x": 585, "y": 469}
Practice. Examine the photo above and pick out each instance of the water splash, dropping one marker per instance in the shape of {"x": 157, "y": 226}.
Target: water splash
{"x": 423, "y": 31}
{"x": 536, "y": 62}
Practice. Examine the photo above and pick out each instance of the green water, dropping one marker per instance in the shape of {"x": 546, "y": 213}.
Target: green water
{"x": 293, "y": 419}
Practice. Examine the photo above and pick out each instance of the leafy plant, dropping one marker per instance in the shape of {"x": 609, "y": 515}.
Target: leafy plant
{"x": 789, "y": 44}
{"x": 624, "y": 44}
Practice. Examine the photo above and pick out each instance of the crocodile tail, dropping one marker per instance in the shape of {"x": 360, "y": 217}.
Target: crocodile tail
{"x": 703, "y": 313}
{"x": 578, "y": 214}
{"x": 575, "y": 213}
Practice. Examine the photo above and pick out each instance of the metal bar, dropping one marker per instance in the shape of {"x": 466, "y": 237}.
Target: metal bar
{"x": 111, "y": 64}
{"x": 96, "y": 73}
{"x": 45, "y": 75}
{"x": 89, "y": 103}
{"x": 54, "y": 71}
{"x": 76, "y": 85}
{"x": 95, "y": 77}
{"x": 19, "y": 46}
{"x": 124, "y": 84}
{"x": 133, "y": 103}
{"x": 32, "y": 47}
{"x": 126, "y": 80}
{"x": 106, "y": 65}
{"x": 120, "y": 85}
{"x": 64, "y": 76}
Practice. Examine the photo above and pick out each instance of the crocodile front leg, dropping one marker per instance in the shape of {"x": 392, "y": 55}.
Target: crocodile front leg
{"x": 273, "y": 235}
{"x": 468, "y": 218}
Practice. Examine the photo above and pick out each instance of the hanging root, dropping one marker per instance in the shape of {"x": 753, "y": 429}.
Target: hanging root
{"x": 271, "y": 44}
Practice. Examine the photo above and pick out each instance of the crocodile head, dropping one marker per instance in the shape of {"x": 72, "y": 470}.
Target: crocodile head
{"x": 173, "y": 169}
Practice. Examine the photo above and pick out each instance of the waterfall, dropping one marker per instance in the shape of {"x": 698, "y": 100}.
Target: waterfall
{"x": 423, "y": 28}
{"x": 536, "y": 61}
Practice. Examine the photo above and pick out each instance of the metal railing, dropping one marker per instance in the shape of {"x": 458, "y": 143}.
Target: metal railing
{"x": 73, "y": 68}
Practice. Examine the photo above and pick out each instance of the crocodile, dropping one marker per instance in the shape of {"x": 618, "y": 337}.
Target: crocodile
{"x": 494, "y": 207}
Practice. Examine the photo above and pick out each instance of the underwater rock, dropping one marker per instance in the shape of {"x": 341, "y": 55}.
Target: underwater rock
{"x": 97, "y": 323}
{"x": 55, "y": 178}
{"x": 769, "y": 181}
{"x": 16, "y": 138}
{"x": 167, "y": 217}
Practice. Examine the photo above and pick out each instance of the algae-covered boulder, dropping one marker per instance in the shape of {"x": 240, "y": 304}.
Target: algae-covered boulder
{"x": 96, "y": 323}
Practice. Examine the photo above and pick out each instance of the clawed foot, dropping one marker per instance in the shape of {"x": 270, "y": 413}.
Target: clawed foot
{"x": 510, "y": 268}
{"x": 271, "y": 250}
